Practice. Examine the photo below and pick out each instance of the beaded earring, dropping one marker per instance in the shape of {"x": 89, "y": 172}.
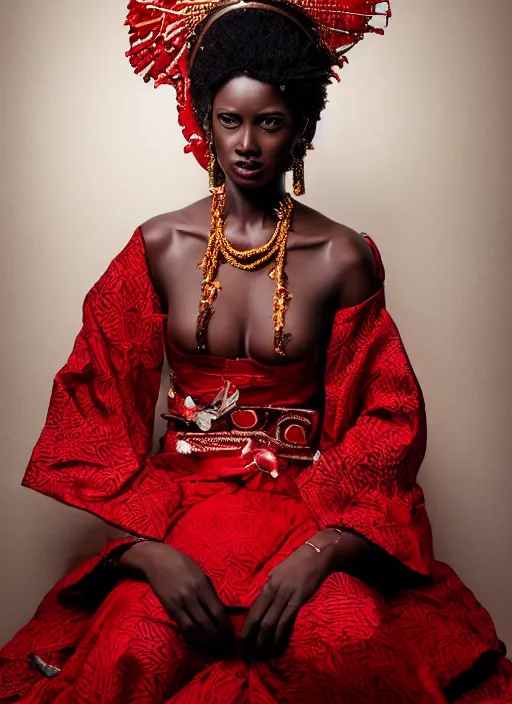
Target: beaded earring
{"x": 299, "y": 187}
{"x": 215, "y": 174}
{"x": 299, "y": 150}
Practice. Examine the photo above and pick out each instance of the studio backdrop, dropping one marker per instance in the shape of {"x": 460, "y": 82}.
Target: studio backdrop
{"x": 415, "y": 148}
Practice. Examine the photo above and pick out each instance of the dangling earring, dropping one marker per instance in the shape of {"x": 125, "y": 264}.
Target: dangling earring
{"x": 299, "y": 150}
{"x": 299, "y": 187}
{"x": 215, "y": 173}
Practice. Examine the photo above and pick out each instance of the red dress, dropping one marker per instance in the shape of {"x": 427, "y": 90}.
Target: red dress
{"x": 114, "y": 643}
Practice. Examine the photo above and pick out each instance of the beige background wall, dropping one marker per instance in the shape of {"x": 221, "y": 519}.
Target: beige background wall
{"x": 415, "y": 149}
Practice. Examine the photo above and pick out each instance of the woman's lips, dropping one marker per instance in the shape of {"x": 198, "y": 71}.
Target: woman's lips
{"x": 248, "y": 170}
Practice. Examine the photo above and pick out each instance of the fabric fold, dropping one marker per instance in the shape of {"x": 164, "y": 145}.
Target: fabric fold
{"x": 93, "y": 450}
{"x": 373, "y": 439}
{"x": 238, "y": 525}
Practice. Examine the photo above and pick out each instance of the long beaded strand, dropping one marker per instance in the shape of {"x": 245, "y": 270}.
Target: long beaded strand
{"x": 248, "y": 260}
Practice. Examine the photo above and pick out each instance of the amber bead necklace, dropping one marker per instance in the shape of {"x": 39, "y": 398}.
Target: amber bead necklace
{"x": 248, "y": 260}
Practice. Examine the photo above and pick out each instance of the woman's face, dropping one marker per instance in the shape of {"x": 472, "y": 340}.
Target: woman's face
{"x": 253, "y": 132}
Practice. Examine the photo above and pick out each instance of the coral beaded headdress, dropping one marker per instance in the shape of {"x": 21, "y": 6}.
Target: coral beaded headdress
{"x": 161, "y": 32}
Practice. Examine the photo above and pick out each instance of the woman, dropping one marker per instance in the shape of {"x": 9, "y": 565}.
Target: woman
{"x": 277, "y": 547}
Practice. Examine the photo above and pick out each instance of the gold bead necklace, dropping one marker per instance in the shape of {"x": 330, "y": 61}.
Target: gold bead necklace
{"x": 248, "y": 260}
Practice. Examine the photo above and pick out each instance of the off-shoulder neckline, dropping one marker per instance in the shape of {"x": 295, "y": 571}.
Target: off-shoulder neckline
{"x": 341, "y": 316}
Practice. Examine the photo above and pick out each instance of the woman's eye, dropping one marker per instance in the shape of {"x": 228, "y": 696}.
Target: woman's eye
{"x": 228, "y": 120}
{"x": 271, "y": 123}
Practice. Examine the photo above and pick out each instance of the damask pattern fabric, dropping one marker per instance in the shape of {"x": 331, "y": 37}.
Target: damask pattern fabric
{"x": 112, "y": 639}
{"x": 367, "y": 482}
{"x": 93, "y": 451}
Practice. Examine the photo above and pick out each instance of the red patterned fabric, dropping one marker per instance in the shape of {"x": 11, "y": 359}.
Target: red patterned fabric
{"x": 93, "y": 450}
{"x": 114, "y": 642}
{"x": 370, "y": 486}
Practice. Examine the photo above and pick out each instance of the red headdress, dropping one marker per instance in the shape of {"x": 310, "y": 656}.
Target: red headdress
{"x": 161, "y": 30}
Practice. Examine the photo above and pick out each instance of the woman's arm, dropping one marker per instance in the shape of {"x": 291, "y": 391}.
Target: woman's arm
{"x": 373, "y": 443}
{"x": 350, "y": 552}
{"x": 362, "y": 489}
{"x": 357, "y": 556}
{"x": 114, "y": 533}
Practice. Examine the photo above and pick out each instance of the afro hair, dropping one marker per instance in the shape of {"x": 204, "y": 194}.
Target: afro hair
{"x": 268, "y": 47}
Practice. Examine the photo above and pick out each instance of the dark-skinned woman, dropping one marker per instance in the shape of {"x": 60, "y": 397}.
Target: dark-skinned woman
{"x": 276, "y": 548}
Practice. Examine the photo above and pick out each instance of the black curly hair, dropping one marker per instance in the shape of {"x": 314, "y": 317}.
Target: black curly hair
{"x": 268, "y": 47}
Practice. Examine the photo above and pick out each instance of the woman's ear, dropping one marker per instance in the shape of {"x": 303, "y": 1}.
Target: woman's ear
{"x": 310, "y": 131}
{"x": 306, "y": 133}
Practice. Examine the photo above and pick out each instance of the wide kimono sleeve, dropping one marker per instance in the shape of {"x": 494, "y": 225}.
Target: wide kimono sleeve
{"x": 93, "y": 450}
{"x": 373, "y": 439}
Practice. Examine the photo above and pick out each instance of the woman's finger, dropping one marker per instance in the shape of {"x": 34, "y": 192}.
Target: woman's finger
{"x": 257, "y": 610}
{"x": 189, "y": 628}
{"x": 201, "y": 618}
{"x": 267, "y": 627}
{"x": 217, "y": 612}
{"x": 285, "y": 625}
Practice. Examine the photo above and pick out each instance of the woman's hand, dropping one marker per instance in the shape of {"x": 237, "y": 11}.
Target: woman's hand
{"x": 186, "y": 594}
{"x": 270, "y": 620}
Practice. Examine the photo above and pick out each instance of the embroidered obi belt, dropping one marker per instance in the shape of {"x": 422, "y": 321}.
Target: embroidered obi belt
{"x": 261, "y": 431}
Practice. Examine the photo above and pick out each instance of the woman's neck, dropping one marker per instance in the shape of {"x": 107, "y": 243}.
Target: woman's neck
{"x": 248, "y": 209}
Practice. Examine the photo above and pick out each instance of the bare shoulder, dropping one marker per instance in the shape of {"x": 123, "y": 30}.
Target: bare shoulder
{"x": 348, "y": 256}
{"x": 166, "y": 237}
{"x": 158, "y": 232}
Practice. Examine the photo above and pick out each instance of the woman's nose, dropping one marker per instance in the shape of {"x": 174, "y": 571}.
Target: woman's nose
{"x": 248, "y": 145}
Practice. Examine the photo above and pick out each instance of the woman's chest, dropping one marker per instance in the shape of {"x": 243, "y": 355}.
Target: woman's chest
{"x": 242, "y": 324}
